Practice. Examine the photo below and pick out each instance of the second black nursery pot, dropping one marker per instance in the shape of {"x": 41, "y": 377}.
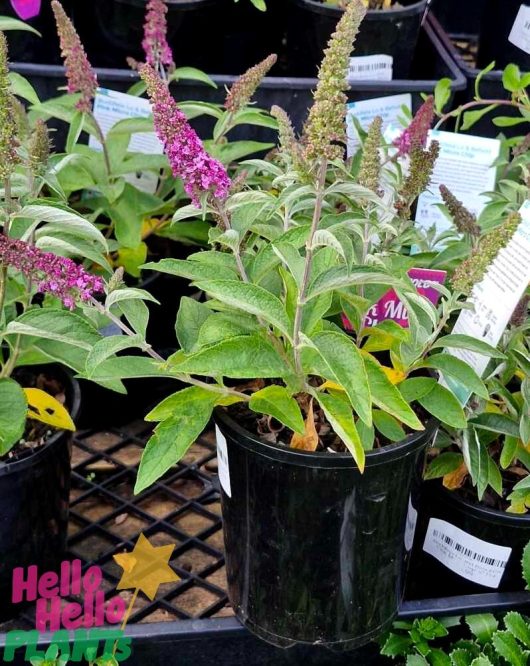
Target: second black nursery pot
{"x": 498, "y": 20}
{"x": 315, "y": 550}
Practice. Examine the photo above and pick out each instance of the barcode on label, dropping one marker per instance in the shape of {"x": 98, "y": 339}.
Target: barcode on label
{"x": 476, "y": 560}
{"x": 376, "y": 67}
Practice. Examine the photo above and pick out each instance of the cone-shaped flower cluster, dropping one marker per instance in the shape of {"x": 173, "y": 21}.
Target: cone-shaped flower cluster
{"x": 465, "y": 221}
{"x": 8, "y": 141}
{"x": 39, "y": 147}
{"x": 325, "y": 128}
{"x": 246, "y": 85}
{"x": 79, "y": 73}
{"x": 419, "y": 178}
{"x": 472, "y": 270}
{"x": 288, "y": 143}
{"x": 155, "y": 45}
{"x": 417, "y": 132}
{"x": 370, "y": 169}
{"x": 58, "y": 276}
{"x": 199, "y": 171}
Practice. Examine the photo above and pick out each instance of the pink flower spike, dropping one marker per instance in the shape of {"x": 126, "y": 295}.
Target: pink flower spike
{"x": 200, "y": 172}
{"x": 155, "y": 45}
{"x": 417, "y": 132}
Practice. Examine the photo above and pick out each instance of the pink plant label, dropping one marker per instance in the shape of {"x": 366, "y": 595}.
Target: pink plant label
{"x": 26, "y": 9}
{"x": 391, "y": 307}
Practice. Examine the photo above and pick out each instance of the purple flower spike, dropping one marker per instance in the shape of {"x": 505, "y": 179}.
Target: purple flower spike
{"x": 415, "y": 136}
{"x": 157, "y": 50}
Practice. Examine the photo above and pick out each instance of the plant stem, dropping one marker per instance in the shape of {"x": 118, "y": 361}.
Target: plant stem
{"x": 101, "y": 138}
{"x": 237, "y": 250}
{"x": 5, "y": 231}
{"x": 480, "y": 102}
{"x": 321, "y": 183}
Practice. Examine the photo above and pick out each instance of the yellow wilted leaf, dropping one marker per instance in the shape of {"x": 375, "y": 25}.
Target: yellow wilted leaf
{"x": 492, "y": 408}
{"x": 309, "y": 440}
{"x": 395, "y": 376}
{"x": 455, "y": 479}
{"x": 378, "y": 340}
{"x": 42, "y": 407}
{"x": 520, "y": 374}
{"x": 331, "y": 385}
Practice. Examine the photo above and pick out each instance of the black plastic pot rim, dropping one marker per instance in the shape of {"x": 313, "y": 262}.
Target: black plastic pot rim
{"x": 371, "y": 15}
{"x": 483, "y": 512}
{"x": 17, "y": 466}
{"x": 324, "y": 459}
{"x": 173, "y": 5}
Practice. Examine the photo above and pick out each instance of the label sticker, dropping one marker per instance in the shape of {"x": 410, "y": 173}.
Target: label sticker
{"x": 475, "y": 560}
{"x": 520, "y": 34}
{"x": 465, "y": 166}
{"x": 390, "y": 108}
{"x": 410, "y": 527}
{"x": 109, "y": 108}
{"x": 222, "y": 462}
{"x": 371, "y": 68}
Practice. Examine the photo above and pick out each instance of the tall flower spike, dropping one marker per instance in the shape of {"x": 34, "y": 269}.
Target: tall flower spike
{"x": 417, "y": 132}
{"x": 199, "y": 171}
{"x": 8, "y": 140}
{"x": 464, "y": 220}
{"x": 370, "y": 169}
{"x": 288, "y": 143}
{"x": 520, "y": 314}
{"x": 242, "y": 91}
{"x": 421, "y": 169}
{"x": 155, "y": 45}
{"x": 55, "y": 275}
{"x": 325, "y": 126}
{"x": 79, "y": 73}
{"x": 471, "y": 271}
{"x": 39, "y": 147}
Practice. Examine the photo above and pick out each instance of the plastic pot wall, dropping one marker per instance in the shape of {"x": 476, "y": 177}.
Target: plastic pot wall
{"x": 391, "y": 32}
{"x": 34, "y": 499}
{"x": 497, "y": 22}
{"x": 459, "y": 17}
{"x": 429, "y": 578}
{"x": 315, "y": 550}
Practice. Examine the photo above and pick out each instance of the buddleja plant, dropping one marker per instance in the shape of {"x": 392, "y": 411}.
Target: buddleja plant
{"x": 100, "y": 182}
{"x": 287, "y": 259}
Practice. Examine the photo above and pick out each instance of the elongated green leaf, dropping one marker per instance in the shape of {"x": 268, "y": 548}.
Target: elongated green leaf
{"x": 62, "y": 219}
{"x": 509, "y": 451}
{"x": 340, "y": 416}
{"x": 396, "y": 645}
{"x": 451, "y": 366}
{"x": 21, "y": 87}
{"x": 518, "y": 626}
{"x": 107, "y": 347}
{"x": 525, "y": 565}
{"x": 242, "y": 357}
{"x": 457, "y": 341}
{"x": 387, "y": 397}
{"x": 415, "y": 388}
{"x": 8, "y": 23}
{"x": 250, "y": 298}
{"x": 128, "y": 294}
{"x": 128, "y": 367}
{"x": 346, "y": 365}
{"x": 276, "y": 401}
{"x": 481, "y": 661}
{"x": 444, "y": 406}
{"x": 388, "y": 426}
{"x": 498, "y": 423}
{"x": 56, "y": 324}
{"x": 190, "y": 318}
{"x": 445, "y": 463}
{"x": 461, "y": 657}
{"x": 508, "y": 647}
{"x": 482, "y": 626}
{"x": 340, "y": 277}
{"x": 191, "y": 270}
{"x": 477, "y": 460}
{"x": 172, "y": 406}
{"x": 13, "y": 411}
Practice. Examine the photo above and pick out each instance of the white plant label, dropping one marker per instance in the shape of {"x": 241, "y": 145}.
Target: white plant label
{"x": 371, "y": 68}
{"x": 109, "y": 108}
{"x": 410, "y": 528}
{"x": 475, "y": 560}
{"x": 494, "y": 299}
{"x": 520, "y": 33}
{"x": 222, "y": 462}
{"x": 465, "y": 166}
{"x": 391, "y": 109}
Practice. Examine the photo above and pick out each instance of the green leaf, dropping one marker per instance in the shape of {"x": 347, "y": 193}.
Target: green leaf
{"x": 498, "y": 423}
{"x": 387, "y": 397}
{"x": 415, "y": 388}
{"x": 509, "y": 451}
{"x": 250, "y": 298}
{"x": 131, "y": 258}
{"x": 457, "y": 341}
{"x": 235, "y": 150}
{"x": 21, "y": 87}
{"x": 511, "y": 78}
{"x": 74, "y": 131}
{"x": 442, "y": 93}
{"x": 8, "y": 23}
{"x": 191, "y": 74}
{"x": 109, "y": 346}
{"x": 481, "y": 661}
{"x": 508, "y": 647}
{"x": 396, "y": 645}
{"x": 461, "y": 657}
{"x": 190, "y": 318}
{"x": 525, "y": 564}
{"x": 128, "y": 367}
{"x": 388, "y": 426}
{"x": 445, "y": 463}
{"x": 191, "y": 270}
{"x": 340, "y": 277}
{"x": 472, "y": 117}
{"x": 416, "y": 660}
{"x": 451, "y": 366}
{"x": 55, "y": 324}
{"x": 444, "y": 406}
{"x": 340, "y": 417}
{"x": 518, "y": 626}
{"x": 171, "y": 440}
{"x": 482, "y": 626}
{"x": 172, "y": 406}
{"x": 242, "y": 357}
{"x": 346, "y": 365}
{"x": 276, "y": 401}
{"x": 13, "y": 410}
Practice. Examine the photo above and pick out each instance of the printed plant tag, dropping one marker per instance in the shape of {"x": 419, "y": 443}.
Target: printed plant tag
{"x": 475, "y": 560}
{"x": 389, "y": 108}
{"x": 494, "y": 300}
{"x": 26, "y": 9}
{"x": 109, "y": 108}
{"x": 520, "y": 33}
{"x": 390, "y": 306}
{"x": 410, "y": 527}
{"x": 222, "y": 462}
{"x": 465, "y": 167}
{"x": 371, "y": 68}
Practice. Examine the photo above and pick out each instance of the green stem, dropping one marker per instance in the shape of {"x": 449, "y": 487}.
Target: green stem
{"x": 101, "y": 139}
{"x": 480, "y": 102}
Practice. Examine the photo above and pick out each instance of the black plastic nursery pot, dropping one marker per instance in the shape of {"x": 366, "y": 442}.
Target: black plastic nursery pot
{"x": 498, "y": 20}
{"x": 34, "y": 500}
{"x": 112, "y": 30}
{"x": 392, "y": 32}
{"x": 485, "y": 569}
{"x": 491, "y": 86}
{"x": 315, "y": 550}
{"x": 459, "y": 17}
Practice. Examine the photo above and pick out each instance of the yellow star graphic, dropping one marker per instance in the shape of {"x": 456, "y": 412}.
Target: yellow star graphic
{"x": 146, "y": 568}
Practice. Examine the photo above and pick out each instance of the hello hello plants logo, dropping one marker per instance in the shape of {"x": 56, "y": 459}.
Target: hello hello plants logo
{"x": 93, "y": 628}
